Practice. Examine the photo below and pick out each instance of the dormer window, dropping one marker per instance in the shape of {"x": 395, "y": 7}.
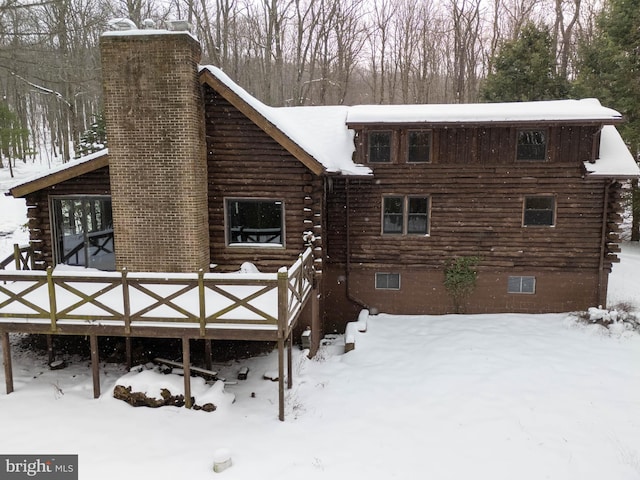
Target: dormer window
{"x": 419, "y": 146}
{"x": 532, "y": 145}
{"x": 380, "y": 146}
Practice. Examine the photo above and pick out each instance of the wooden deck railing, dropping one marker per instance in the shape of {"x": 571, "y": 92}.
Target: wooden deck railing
{"x": 22, "y": 258}
{"x": 127, "y": 299}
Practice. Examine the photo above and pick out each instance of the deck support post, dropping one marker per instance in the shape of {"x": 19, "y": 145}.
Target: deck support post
{"x": 6, "y": 358}
{"x": 186, "y": 365}
{"x": 95, "y": 365}
{"x": 316, "y": 330}
{"x": 289, "y": 362}
{"x": 281, "y": 379}
{"x": 128, "y": 352}
{"x": 50, "y": 351}
{"x": 208, "y": 363}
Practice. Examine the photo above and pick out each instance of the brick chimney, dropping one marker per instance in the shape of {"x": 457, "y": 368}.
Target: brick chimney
{"x": 157, "y": 155}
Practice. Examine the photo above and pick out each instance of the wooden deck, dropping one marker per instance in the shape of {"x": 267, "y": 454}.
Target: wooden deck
{"x": 261, "y": 307}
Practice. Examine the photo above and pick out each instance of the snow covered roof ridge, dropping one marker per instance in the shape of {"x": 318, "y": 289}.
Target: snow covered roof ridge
{"x": 588, "y": 109}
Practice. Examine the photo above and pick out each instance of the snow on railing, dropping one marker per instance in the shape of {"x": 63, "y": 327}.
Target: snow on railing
{"x": 259, "y": 300}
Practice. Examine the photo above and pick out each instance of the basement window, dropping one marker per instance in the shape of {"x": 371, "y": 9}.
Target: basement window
{"x": 521, "y": 285}
{"x": 387, "y": 281}
{"x": 256, "y": 222}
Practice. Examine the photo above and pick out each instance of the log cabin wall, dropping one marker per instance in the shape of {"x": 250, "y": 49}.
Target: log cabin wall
{"x": 38, "y": 212}
{"x": 476, "y": 191}
{"x": 244, "y": 162}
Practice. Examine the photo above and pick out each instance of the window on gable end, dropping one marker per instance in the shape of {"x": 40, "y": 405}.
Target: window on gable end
{"x": 532, "y": 145}
{"x": 254, "y": 222}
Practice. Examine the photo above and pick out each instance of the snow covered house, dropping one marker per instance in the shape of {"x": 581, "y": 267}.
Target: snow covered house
{"x": 200, "y": 174}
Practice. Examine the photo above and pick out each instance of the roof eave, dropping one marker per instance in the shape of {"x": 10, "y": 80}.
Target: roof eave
{"x": 23, "y": 189}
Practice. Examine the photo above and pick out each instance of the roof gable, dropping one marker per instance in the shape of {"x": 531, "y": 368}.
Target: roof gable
{"x": 317, "y": 136}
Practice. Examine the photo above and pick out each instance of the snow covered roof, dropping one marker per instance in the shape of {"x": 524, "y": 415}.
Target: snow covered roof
{"x": 588, "y": 109}
{"x": 614, "y": 159}
{"x": 321, "y": 132}
{"x": 60, "y": 173}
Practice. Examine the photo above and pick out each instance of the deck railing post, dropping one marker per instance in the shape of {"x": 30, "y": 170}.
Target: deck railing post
{"x": 52, "y": 299}
{"x": 16, "y": 256}
{"x": 126, "y": 302}
{"x": 203, "y": 312}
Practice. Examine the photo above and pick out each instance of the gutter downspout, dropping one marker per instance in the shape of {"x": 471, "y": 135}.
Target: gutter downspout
{"x": 603, "y": 243}
{"x": 350, "y": 297}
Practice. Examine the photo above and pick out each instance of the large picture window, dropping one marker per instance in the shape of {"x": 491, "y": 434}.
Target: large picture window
{"x": 83, "y": 231}
{"x": 254, "y": 222}
{"x": 539, "y": 211}
{"x": 405, "y": 215}
{"x": 532, "y": 145}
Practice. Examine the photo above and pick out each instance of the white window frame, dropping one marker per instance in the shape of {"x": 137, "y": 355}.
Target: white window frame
{"x": 521, "y": 281}
{"x": 227, "y": 228}
{"x": 386, "y": 275}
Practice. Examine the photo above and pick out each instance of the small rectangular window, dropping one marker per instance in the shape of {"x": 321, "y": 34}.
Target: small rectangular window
{"x": 532, "y": 145}
{"x": 521, "y": 285}
{"x": 539, "y": 211}
{"x": 388, "y": 281}
{"x": 380, "y": 146}
{"x": 419, "y": 146}
{"x": 252, "y": 221}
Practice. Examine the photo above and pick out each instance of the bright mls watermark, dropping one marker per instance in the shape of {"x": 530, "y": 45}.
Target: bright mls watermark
{"x": 50, "y": 467}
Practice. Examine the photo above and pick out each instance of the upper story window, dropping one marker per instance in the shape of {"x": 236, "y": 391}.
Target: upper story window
{"x": 539, "y": 211}
{"x": 254, "y": 222}
{"x": 380, "y": 146}
{"x": 532, "y": 145}
{"x": 405, "y": 215}
{"x": 418, "y": 146}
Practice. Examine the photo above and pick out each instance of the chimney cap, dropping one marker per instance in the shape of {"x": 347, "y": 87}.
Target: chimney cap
{"x": 122, "y": 24}
{"x": 178, "y": 25}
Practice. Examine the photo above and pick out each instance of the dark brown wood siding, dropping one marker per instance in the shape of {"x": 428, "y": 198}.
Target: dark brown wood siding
{"x": 40, "y": 232}
{"x": 474, "y": 211}
{"x": 245, "y": 162}
{"x": 477, "y": 191}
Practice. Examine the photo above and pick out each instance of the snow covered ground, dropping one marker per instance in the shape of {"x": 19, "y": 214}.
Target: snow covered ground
{"x": 440, "y": 397}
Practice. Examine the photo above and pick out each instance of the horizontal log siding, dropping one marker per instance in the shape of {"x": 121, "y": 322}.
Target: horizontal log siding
{"x": 474, "y": 211}
{"x": 40, "y": 230}
{"x": 244, "y": 162}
